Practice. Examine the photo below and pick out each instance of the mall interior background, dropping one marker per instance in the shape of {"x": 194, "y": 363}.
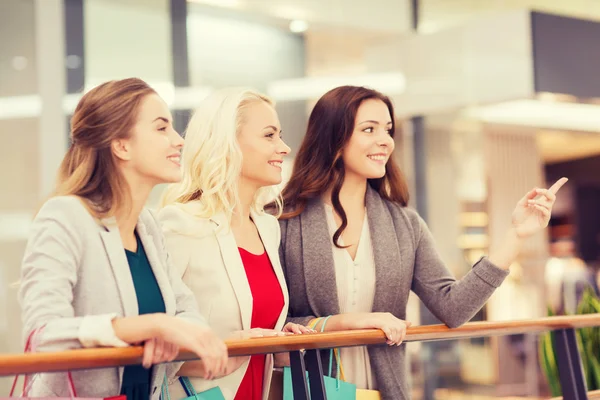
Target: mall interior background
{"x": 488, "y": 104}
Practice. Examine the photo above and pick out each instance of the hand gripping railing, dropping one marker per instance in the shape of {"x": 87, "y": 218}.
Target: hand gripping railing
{"x": 568, "y": 360}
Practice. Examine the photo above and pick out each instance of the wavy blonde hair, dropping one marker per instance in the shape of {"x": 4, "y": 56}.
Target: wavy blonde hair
{"x": 212, "y": 158}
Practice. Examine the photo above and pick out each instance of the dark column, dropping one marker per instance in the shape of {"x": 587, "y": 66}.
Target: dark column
{"x": 74, "y": 40}
{"x": 179, "y": 46}
{"x": 74, "y": 49}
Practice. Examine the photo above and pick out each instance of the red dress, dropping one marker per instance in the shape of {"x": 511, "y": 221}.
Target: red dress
{"x": 267, "y": 303}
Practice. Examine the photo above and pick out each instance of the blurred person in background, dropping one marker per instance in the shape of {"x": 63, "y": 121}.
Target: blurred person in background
{"x": 567, "y": 277}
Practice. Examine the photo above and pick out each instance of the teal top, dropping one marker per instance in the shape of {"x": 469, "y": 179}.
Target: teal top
{"x": 137, "y": 379}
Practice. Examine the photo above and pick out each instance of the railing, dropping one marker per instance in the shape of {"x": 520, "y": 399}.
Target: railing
{"x": 569, "y": 362}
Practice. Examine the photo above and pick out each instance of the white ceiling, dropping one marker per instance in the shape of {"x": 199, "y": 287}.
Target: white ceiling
{"x": 437, "y": 14}
{"x": 388, "y": 16}
{"x": 394, "y": 16}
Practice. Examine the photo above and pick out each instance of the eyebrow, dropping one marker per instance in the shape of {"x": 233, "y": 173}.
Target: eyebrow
{"x": 166, "y": 120}
{"x": 271, "y": 127}
{"x": 370, "y": 121}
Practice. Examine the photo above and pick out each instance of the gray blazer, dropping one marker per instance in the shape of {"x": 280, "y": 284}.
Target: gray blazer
{"x": 405, "y": 260}
{"x": 75, "y": 273}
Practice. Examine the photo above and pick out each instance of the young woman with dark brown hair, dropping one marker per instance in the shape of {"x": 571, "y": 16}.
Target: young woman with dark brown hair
{"x": 95, "y": 270}
{"x": 352, "y": 251}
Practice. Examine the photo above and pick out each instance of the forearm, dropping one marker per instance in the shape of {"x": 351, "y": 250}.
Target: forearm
{"x": 339, "y": 322}
{"x": 196, "y": 368}
{"x": 137, "y": 329}
{"x": 506, "y": 253}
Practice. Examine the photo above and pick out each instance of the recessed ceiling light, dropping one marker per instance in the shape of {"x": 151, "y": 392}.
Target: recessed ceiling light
{"x": 298, "y": 26}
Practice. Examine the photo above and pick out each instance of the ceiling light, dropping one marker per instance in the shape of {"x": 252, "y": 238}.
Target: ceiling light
{"x": 314, "y": 87}
{"x": 541, "y": 114}
{"x": 30, "y": 106}
{"x": 298, "y": 26}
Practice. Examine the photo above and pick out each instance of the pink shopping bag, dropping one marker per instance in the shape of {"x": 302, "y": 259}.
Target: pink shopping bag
{"x": 29, "y": 348}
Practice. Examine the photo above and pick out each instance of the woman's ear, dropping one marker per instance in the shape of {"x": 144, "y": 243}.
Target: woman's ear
{"x": 121, "y": 149}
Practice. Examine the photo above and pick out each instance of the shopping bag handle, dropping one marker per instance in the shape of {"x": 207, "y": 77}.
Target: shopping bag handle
{"x": 30, "y": 348}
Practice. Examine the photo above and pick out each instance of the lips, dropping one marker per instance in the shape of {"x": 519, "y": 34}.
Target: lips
{"x": 175, "y": 158}
{"x": 276, "y": 163}
{"x": 378, "y": 157}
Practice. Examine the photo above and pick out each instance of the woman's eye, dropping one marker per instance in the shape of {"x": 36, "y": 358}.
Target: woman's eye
{"x": 368, "y": 130}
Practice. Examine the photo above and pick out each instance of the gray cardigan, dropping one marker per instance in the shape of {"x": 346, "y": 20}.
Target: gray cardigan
{"x": 405, "y": 260}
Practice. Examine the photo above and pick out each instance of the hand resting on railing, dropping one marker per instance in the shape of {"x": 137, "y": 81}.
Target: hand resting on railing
{"x": 12, "y": 364}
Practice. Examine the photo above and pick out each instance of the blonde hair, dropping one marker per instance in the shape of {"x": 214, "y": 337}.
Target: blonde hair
{"x": 89, "y": 169}
{"x": 212, "y": 158}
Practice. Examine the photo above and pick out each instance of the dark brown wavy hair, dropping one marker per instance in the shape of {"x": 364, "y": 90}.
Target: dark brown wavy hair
{"x": 319, "y": 165}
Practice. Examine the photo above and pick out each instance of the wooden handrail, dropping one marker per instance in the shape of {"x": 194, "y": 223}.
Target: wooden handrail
{"x": 13, "y": 364}
{"x": 594, "y": 394}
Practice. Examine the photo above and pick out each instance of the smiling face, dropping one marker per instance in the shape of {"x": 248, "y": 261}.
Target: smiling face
{"x": 371, "y": 144}
{"x": 262, "y": 145}
{"x": 153, "y": 149}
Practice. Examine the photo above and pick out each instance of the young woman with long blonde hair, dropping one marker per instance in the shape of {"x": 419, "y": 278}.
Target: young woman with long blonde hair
{"x": 222, "y": 242}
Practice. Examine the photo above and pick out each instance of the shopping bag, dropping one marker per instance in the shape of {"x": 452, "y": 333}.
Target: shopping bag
{"x": 361, "y": 394}
{"x": 72, "y": 393}
{"x": 336, "y": 388}
{"x": 30, "y": 348}
{"x": 210, "y": 394}
{"x": 367, "y": 394}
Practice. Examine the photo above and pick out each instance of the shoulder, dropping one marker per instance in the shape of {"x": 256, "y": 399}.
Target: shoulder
{"x": 180, "y": 219}
{"x": 150, "y": 220}
{"x": 64, "y": 220}
{"x": 290, "y": 217}
{"x": 267, "y": 225}
{"x": 405, "y": 217}
{"x": 267, "y": 220}
{"x": 69, "y": 211}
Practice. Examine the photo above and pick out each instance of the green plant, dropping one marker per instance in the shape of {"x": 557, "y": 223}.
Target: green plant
{"x": 588, "y": 341}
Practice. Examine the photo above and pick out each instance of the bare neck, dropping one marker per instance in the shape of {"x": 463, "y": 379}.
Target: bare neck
{"x": 127, "y": 218}
{"x": 246, "y": 193}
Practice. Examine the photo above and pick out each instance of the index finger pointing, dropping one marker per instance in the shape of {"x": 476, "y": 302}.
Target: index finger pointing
{"x": 557, "y": 185}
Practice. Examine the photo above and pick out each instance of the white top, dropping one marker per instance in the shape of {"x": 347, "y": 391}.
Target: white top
{"x": 355, "y": 289}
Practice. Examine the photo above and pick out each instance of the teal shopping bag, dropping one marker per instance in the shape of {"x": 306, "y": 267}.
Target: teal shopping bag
{"x": 334, "y": 387}
{"x": 210, "y": 394}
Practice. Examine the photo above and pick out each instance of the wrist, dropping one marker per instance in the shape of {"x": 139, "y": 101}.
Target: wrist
{"x": 508, "y": 251}
{"x": 154, "y": 323}
{"x": 352, "y": 321}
